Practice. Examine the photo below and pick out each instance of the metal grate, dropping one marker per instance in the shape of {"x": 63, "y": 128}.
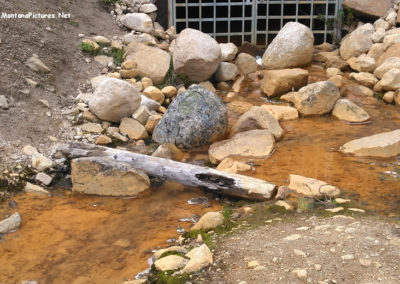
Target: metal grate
{"x": 255, "y": 21}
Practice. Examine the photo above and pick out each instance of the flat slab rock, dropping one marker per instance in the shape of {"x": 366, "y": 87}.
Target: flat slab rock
{"x": 384, "y": 145}
{"x": 372, "y": 8}
{"x": 101, "y": 176}
{"x": 312, "y": 187}
{"x": 251, "y": 144}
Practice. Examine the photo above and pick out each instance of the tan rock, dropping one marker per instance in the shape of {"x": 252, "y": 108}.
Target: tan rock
{"x": 312, "y": 187}
{"x": 391, "y": 80}
{"x": 29, "y": 150}
{"x": 104, "y": 60}
{"x": 231, "y": 166}
{"x": 114, "y": 99}
{"x": 101, "y": 176}
{"x": 392, "y": 39}
{"x": 11, "y": 224}
{"x": 40, "y": 162}
{"x": 133, "y": 128}
{"x": 154, "y": 93}
{"x": 142, "y": 114}
{"x": 364, "y": 78}
{"x": 355, "y": 45}
{"x": 36, "y": 64}
{"x": 284, "y": 204}
{"x": 314, "y": 99}
{"x": 258, "y": 118}
{"x": 123, "y": 243}
{"x": 129, "y": 74}
{"x": 369, "y": 8}
{"x": 276, "y": 82}
{"x": 239, "y": 107}
{"x": 209, "y": 221}
{"x": 226, "y": 72}
{"x": 337, "y": 81}
{"x": 246, "y": 63}
{"x": 170, "y": 262}
{"x": 35, "y": 189}
{"x": 168, "y": 151}
{"x": 101, "y": 40}
{"x": 388, "y": 52}
{"x": 152, "y": 122}
{"x": 128, "y": 64}
{"x": 385, "y": 145}
{"x": 169, "y": 91}
{"x": 151, "y": 62}
{"x": 200, "y": 258}
{"x": 196, "y": 55}
{"x": 250, "y": 144}
{"x": 146, "y": 82}
{"x": 88, "y": 115}
{"x": 348, "y": 111}
{"x": 223, "y": 86}
{"x": 388, "y": 97}
{"x": 324, "y": 56}
{"x": 91, "y": 127}
{"x": 283, "y": 113}
{"x": 336, "y": 62}
{"x": 292, "y": 47}
{"x": 330, "y": 72}
{"x": 397, "y": 98}
{"x": 390, "y": 63}
{"x": 228, "y": 51}
{"x": 237, "y": 85}
{"x": 376, "y": 51}
{"x": 208, "y": 85}
{"x": 103, "y": 140}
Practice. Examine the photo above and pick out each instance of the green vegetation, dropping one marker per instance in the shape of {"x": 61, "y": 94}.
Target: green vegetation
{"x": 379, "y": 96}
{"x": 347, "y": 16}
{"x": 118, "y": 55}
{"x": 167, "y": 277}
{"x": 88, "y": 48}
{"x": 111, "y": 2}
{"x": 74, "y": 23}
{"x": 167, "y": 253}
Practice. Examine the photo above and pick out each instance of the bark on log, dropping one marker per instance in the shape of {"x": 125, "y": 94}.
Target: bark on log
{"x": 202, "y": 177}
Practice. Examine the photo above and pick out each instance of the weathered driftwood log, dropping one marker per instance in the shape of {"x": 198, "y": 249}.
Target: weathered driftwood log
{"x": 201, "y": 177}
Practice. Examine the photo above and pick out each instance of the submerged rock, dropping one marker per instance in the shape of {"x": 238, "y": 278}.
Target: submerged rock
{"x": 349, "y": 111}
{"x": 195, "y": 118}
{"x": 101, "y": 176}
{"x": 231, "y": 166}
{"x": 384, "y": 145}
{"x": 257, "y": 143}
{"x": 312, "y": 187}
{"x": 292, "y": 47}
{"x": 10, "y": 224}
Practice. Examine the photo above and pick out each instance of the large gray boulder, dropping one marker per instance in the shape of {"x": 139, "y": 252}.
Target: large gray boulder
{"x": 196, "y": 55}
{"x": 292, "y": 47}
{"x": 151, "y": 61}
{"x": 358, "y": 42}
{"x": 114, "y": 99}
{"x": 195, "y": 118}
{"x": 314, "y": 99}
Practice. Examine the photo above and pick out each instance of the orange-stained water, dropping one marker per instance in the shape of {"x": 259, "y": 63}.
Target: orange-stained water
{"x": 70, "y": 239}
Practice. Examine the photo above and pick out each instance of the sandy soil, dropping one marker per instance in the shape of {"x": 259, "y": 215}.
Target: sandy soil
{"x": 56, "y": 42}
{"x": 338, "y": 249}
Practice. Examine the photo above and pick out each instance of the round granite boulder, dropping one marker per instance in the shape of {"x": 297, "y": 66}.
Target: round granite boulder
{"x": 195, "y": 118}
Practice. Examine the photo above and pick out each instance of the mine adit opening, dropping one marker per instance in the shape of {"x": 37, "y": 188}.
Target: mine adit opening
{"x": 254, "y": 21}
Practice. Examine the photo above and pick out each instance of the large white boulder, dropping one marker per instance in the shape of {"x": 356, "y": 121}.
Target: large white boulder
{"x": 114, "y": 99}
{"x": 292, "y": 47}
{"x": 349, "y": 111}
{"x": 196, "y": 55}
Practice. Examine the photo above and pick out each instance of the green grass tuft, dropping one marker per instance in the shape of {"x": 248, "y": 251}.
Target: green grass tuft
{"x": 118, "y": 55}
{"x": 88, "y": 48}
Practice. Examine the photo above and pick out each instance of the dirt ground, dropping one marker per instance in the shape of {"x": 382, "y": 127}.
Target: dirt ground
{"x": 338, "y": 249}
{"x": 56, "y": 42}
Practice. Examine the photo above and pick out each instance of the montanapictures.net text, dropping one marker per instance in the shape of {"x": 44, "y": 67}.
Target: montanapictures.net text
{"x": 31, "y": 15}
